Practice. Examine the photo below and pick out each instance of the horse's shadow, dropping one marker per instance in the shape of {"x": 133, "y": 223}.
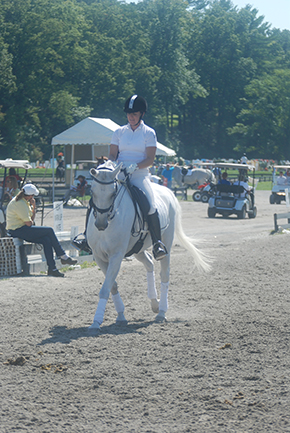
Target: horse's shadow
{"x": 64, "y": 335}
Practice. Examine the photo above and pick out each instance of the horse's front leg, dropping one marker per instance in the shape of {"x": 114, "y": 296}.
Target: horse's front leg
{"x": 111, "y": 271}
{"x": 119, "y": 305}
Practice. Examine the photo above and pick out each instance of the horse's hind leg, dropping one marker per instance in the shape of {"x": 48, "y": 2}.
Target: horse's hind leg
{"x": 164, "y": 274}
{"x": 147, "y": 261}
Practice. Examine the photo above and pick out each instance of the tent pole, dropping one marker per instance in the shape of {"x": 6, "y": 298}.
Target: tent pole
{"x": 52, "y": 174}
{"x": 71, "y": 164}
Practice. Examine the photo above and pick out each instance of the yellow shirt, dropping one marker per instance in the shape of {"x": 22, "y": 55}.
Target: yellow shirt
{"x": 18, "y": 213}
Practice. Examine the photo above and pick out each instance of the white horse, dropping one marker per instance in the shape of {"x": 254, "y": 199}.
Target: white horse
{"x": 111, "y": 234}
{"x": 198, "y": 176}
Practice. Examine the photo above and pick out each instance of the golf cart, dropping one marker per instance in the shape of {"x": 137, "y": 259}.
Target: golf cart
{"x": 279, "y": 185}
{"x": 6, "y": 165}
{"x": 233, "y": 199}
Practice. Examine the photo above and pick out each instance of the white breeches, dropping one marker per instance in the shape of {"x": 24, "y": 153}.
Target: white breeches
{"x": 141, "y": 179}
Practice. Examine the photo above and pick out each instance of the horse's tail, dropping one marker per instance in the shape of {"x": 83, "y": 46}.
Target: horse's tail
{"x": 202, "y": 261}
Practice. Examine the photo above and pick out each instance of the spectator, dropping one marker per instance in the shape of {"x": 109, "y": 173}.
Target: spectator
{"x": 78, "y": 191}
{"x": 12, "y": 172}
{"x": 20, "y": 224}
{"x": 60, "y": 169}
{"x": 224, "y": 180}
{"x": 244, "y": 159}
{"x": 287, "y": 174}
{"x": 11, "y": 189}
{"x": 281, "y": 179}
{"x": 167, "y": 176}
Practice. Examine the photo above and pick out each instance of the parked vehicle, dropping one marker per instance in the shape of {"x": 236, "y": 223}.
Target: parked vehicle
{"x": 278, "y": 187}
{"x": 196, "y": 196}
{"x": 233, "y": 199}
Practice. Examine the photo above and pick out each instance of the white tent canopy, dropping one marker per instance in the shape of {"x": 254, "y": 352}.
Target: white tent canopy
{"x": 96, "y": 132}
{"x": 91, "y": 138}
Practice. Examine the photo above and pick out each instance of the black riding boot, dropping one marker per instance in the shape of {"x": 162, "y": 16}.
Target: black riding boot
{"x": 81, "y": 244}
{"x": 159, "y": 249}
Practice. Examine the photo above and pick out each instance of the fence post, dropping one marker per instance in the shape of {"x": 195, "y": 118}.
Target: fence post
{"x": 275, "y": 222}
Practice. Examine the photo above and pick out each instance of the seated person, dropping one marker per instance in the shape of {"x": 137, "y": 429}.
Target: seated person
{"x": 78, "y": 191}
{"x": 11, "y": 189}
{"x": 224, "y": 180}
{"x": 12, "y": 172}
{"x": 247, "y": 189}
{"x": 287, "y": 174}
{"x": 281, "y": 179}
{"x": 20, "y": 224}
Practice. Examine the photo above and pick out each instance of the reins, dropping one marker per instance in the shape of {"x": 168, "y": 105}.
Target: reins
{"x": 117, "y": 192}
{"x": 124, "y": 185}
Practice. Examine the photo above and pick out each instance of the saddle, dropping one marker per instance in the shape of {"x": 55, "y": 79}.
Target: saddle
{"x": 141, "y": 205}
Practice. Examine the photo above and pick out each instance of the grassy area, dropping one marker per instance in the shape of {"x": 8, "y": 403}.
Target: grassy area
{"x": 264, "y": 186}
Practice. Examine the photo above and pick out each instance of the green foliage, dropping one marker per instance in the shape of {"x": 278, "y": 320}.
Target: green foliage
{"x": 216, "y": 78}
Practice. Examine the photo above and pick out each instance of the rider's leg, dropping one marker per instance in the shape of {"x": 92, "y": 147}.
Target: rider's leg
{"x": 82, "y": 244}
{"x": 159, "y": 249}
{"x": 143, "y": 182}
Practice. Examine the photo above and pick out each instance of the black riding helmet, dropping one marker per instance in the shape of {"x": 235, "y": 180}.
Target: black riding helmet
{"x": 135, "y": 103}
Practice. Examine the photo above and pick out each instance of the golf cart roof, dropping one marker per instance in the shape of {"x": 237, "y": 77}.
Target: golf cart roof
{"x": 233, "y": 166}
{"x": 204, "y": 164}
{"x": 16, "y": 163}
{"x": 282, "y": 167}
{"x": 86, "y": 160}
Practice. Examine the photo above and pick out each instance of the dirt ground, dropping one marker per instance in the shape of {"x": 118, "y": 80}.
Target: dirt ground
{"x": 219, "y": 364}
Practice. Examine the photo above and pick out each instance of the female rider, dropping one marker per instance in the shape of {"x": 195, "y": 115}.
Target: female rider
{"x": 135, "y": 146}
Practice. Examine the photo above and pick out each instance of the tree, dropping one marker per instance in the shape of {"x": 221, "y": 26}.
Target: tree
{"x": 266, "y": 98}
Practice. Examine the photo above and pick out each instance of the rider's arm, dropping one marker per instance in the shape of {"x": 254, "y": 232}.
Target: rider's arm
{"x": 114, "y": 150}
{"x": 150, "y": 156}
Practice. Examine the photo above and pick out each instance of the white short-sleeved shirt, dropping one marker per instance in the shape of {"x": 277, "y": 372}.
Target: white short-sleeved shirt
{"x": 245, "y": 185}
{"x": 132, "y": 144}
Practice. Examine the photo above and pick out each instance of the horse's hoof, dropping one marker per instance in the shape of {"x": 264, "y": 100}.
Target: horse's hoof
{"x": 121, "y": 320}
{"x": 95, "y": 326}
{"x": 160, "y": 317}
{"x": 155, "y": 306}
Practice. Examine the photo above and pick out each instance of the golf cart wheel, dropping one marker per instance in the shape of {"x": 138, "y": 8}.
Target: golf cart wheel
{"x": 242, "y": 213}
{"x": 204, "y": 197}
{"x": 211, "y": 212}
{"x": 272, "y": 199}
{"x": 253, "y": 212}
{"x": 196, "y": 196}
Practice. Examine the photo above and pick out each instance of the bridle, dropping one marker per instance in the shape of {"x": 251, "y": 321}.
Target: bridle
{"x": 111, "y": 207}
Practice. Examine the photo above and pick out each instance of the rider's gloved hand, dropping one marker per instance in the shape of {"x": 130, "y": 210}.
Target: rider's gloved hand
{"x": 130, "y": 167}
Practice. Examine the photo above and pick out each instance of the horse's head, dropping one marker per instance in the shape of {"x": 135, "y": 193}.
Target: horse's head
{"x": 104, "y": 189}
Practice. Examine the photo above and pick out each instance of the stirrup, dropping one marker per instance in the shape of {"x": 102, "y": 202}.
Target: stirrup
{"x": 81, "y": 244}
{"x": 159, "y": 251}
